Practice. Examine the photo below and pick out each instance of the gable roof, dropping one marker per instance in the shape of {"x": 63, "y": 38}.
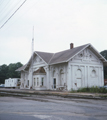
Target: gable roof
{"x": 21, "y": 68}
{"x": 64, "y": 56}
{"x": 45, "y": 56}
{"x": 98, "y": 55}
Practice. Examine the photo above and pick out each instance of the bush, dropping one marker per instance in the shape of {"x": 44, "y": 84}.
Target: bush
{"x": 93, "y": 90}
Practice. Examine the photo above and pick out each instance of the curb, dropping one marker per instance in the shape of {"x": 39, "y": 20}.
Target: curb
{"x": 64, "y": 95}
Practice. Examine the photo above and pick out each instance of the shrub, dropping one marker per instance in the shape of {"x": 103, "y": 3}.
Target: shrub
{"x": 93, "y": 90}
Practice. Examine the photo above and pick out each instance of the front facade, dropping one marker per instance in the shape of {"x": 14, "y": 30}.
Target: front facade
{"x": 70, "y": 69}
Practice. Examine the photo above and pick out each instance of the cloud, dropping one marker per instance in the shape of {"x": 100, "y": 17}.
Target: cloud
{"x": 15, "y": 50}
{"x": 57, "y": 23}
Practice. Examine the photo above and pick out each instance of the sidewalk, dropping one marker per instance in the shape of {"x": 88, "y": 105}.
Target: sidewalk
{"x": 64, "y": 94}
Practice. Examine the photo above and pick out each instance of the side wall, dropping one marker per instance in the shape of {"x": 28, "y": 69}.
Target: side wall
{"x": 85, "y": 70}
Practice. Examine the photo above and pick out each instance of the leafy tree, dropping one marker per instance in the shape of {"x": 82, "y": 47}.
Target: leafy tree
{"x": 9, "y": 71}
{"x": 104, "y": 54}
{"x": 3, "y": 73}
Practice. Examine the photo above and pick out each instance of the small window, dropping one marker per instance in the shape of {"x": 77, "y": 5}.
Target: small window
{"x": 37, "y": 81}
{"x": 42, "y": 81}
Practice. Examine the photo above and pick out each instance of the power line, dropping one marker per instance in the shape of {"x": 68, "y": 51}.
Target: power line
{"x": 1, "y": 1}
{"x": 9, "y": 11}
{"x": 24, "y": 13}
{"x": 13, "y": 14}
{"x": 5, "y": 6}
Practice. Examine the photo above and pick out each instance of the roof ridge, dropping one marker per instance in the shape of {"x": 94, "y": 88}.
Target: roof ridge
{"x": 68, "y": 54}
{"x": 43, "y": 52}
{"x": 73, "y": 48}
{"x": 85, "y": 46}
{"x": 64, "y": 50}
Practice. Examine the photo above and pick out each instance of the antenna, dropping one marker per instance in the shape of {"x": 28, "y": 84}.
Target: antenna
{"x": 32, "y": 54}
{"x": 33, "y": 40}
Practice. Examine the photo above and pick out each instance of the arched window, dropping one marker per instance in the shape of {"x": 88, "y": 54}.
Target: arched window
{"x": 79, "y": 75}
{"x": 93, "y": 74}
{"x": 61, "y": 71}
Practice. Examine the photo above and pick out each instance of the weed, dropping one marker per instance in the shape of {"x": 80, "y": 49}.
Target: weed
{"x": 92, "y": 90}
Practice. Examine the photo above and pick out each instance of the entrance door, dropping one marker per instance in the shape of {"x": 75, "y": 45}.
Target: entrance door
{"x": 79, "y": 79}
{"x": 79, "y": 83}
{"x": 61, "y": 79}
{"x": 54, "y": 83}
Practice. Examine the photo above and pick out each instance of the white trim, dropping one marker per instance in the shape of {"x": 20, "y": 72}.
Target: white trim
{"x": 41, "y": 58}
{"x": 98, "y": 53}
{"x": 58, "y": 63}
{"x": 31, "y": 57}
{"x": 28, "y": 61}
{"x": 80, "y": 64}
{"x": 91, "y": 51}
{"x": 77, "y": 53}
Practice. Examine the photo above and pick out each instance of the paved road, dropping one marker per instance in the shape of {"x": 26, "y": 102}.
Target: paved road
{"x": 12, "y": 108}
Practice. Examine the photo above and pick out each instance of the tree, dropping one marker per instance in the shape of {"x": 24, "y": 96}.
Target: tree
{"x": 3, "y": 73}
{"x": 104, "y": 54}
{"x": 9, "y": 71}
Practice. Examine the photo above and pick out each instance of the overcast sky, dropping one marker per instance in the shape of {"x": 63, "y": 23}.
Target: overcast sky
{"x": 57, "y": 23}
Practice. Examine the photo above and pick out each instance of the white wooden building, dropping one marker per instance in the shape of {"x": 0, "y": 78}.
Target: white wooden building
{"x": 12, "y": 82}
{"x": 70, "y": 69}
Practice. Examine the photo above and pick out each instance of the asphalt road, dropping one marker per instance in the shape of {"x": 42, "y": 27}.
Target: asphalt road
{"x": 13, "y": 108}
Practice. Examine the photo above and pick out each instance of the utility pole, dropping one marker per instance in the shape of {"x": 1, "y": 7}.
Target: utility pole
{"x": 32, "y": 54}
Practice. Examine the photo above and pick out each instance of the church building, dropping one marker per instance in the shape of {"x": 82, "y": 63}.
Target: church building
{"x": 74, "y": 68}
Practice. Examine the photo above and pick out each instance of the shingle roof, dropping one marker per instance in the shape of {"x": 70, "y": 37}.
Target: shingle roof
{"x": 21, "y": 68}
{"x": 45, "y": 56}
{"x": 63, "y": 56}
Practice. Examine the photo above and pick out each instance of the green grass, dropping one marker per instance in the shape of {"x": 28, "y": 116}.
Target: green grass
{"x": 91, "y": 90}
{"x": 105, "y": 96}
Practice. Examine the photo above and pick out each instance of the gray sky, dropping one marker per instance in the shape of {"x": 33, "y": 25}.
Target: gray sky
{"x": 57, "y": 23}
